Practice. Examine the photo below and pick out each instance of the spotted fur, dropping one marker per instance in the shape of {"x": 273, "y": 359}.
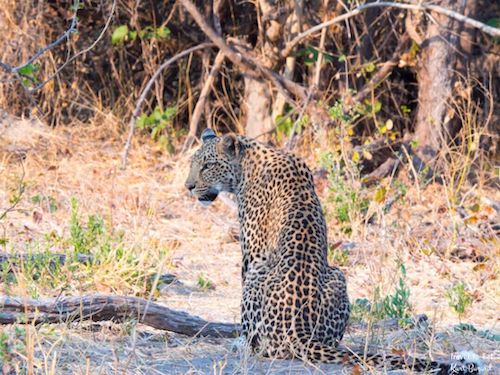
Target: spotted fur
{"x": 294, "y": 304}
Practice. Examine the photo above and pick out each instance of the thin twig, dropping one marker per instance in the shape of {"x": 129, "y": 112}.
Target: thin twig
{"x": 193, "y": 126}
{"x": 493, "y": 31}
{"x": 150, "y": 83}
{"x": 20, "y": 191}
{"x": 40, "y": 52}
{"x": 319, "y": 62}
{"x": 101, "y": 35}
{"x": 383, "y": 72}
{"x": 291, "y": 141}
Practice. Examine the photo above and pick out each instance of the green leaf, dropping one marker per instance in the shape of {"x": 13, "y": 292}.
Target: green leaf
{"x": 494, "y": 22}
{"x": 149, "y": 32}
{"x": 370, "y": 67}
{"x": 36, "y": 199}
{"x": 27, "y": 70}
{"x": 119, "y": 34}
{"x": 132, "y": 35}
{"x": 162, "y": 32}
{"x": 141, "y": 121}
{"x": 379, "y": 196}
{"x": 355, "y": 157}
{"x": 327, "y": 58}
{"x": 342, "y": 58}
{"x": 146, "y": 33}
{"x": 310, "y": 55}
{"x": 475, "y": 207}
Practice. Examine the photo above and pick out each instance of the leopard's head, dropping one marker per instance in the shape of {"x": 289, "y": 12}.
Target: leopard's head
{"x": 215, "y": 167}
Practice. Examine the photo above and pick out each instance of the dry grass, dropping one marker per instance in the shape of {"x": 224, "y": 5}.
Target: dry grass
{"x": 147, "y": 214}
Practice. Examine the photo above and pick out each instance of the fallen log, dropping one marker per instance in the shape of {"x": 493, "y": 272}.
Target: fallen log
{"x": 100, "y": 307}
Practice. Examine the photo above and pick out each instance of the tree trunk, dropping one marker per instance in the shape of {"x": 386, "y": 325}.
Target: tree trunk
{"x": 257, "y": 103}
{"x": 258, "y": 96}
{"x": 435, "y": 75}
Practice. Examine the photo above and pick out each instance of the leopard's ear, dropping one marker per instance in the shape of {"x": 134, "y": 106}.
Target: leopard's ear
{"x": 230, "y": 146}
{"x": 207, "y": 134}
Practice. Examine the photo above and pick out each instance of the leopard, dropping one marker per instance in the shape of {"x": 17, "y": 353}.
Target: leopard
{"x": 294, "y": 303}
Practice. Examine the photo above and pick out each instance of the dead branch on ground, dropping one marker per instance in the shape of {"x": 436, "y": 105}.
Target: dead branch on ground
{"x": 108, "y": 307}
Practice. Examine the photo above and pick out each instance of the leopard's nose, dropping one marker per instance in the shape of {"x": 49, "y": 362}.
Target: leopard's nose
{"x": 189, "y": 185}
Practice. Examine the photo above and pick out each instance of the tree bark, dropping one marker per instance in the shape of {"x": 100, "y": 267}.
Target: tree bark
{"x": 435, "y": 75}
{"x": 257, "y": 100}
{"x": 99, "y": 307}
{"x": 257, "y": 104}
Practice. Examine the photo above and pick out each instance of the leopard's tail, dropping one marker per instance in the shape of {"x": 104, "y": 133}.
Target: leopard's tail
{"x": 317, "y": 352}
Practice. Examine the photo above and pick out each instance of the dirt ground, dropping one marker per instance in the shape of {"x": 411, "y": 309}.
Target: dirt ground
{"x": 149, "y": 205}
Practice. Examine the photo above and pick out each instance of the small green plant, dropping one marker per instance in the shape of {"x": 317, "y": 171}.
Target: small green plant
{"x": 459, "y": 299}
{"x": 400, "y": 187}
{"x": 311, "y": 55}
{"x": 12, "y": 344}
{"x": 4, "y": 347}
{"x": 122, "y": 33}
{"x": 204, "y": 283}
{"x": 83, "y": 238}
{"x": 15, "y": 197}
{"x": 395, "y": 305}
{"x": 338, "y": 113}
{"x": 158, "y": 124}
{"x": 285, "y": 124}
{"x": 75, "y": 228}
{"x": 29, "y": 74}
{"x": 360, "y": 309}
{"x": 346, "y": 204}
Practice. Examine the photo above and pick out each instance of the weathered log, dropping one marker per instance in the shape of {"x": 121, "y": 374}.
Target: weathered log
{"x": 99, "y": 307}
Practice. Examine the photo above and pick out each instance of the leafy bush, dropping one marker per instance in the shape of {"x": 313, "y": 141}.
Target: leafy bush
{"x": 459, "y": 299}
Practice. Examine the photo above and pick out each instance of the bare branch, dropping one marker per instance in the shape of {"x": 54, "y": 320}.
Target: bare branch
{"x": 493, "y": 31}
{"x": 243, "y": 60}
{"x": 383, "y": 72}
{"x": 193, "y": 126}
{"x": 85, "y": 50}
{"x": 40, "y": 52}
{"x": 150, "y": 83}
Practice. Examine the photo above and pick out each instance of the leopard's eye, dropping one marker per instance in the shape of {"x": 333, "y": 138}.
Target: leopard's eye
{"x": 207, "y": 165}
